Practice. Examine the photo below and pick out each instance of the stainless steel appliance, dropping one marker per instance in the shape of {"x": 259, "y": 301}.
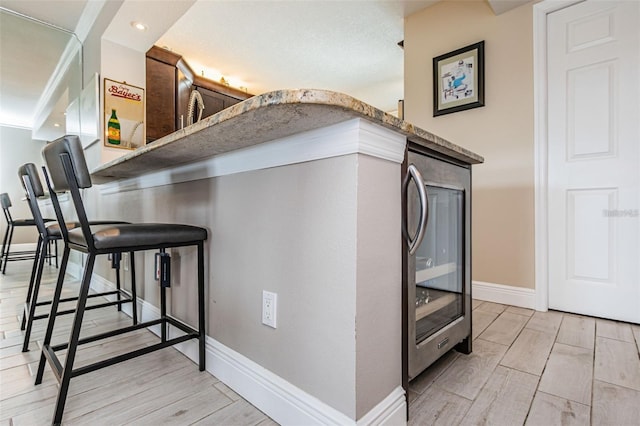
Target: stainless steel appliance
{"x": 437, "y": 258}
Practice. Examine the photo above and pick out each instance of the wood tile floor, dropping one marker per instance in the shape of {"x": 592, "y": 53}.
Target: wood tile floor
{"x": 164, "y": 387}
{"x": 534, "y": 368}
{"x": 527, "y": 367}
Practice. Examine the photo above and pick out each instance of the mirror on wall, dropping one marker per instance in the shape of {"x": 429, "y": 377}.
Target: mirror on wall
{"x": 40, "y": 76}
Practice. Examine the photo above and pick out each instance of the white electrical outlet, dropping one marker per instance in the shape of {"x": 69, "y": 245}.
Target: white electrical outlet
{"x": 125, "y": 261}
{"x": 269, "y": 308}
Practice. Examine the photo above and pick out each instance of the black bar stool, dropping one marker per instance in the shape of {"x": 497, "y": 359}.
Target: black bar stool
{"x": 68, "y": 171}
{"x": 51, "y": 232}
{"x": 7, "y": 255}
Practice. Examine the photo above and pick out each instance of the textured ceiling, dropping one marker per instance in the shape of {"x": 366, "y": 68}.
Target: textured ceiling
{"x": 347, "y": 46}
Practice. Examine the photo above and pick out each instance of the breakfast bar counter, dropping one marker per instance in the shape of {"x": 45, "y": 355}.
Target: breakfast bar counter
{"x": 301, "y": 193}
{"x": 264, "y": 118}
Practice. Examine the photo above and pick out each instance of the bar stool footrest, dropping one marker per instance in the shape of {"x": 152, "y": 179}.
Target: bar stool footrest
{"x": 127, "y": 298}
{"x": 54, "y": 362}
{"x": 72, "y": 299}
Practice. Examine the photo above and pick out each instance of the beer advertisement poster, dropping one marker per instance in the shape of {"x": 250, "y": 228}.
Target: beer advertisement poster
{"x": 123, "y": 115}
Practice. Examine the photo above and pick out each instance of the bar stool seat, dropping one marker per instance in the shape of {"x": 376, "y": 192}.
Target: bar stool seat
{"x": 138, "y": 235}
{"x": 53, "y": 228}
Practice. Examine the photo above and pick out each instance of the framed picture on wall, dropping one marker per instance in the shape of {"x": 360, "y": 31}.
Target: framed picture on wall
{"x": 123, "y": 115}
{"x": 458, "y": 80}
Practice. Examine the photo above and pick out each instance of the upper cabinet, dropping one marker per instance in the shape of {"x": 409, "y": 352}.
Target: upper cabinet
{"x": 170, "y": 86}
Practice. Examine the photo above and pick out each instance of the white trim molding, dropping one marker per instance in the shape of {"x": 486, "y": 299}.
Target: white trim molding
{"x": 505, "y": 294}
{"x": 282, "y": 401}
{"x": 540, "y": 12}
{"x": 349, "y": 137}
{"x": 286, "y": 403}
{"x": 390, "y": 411}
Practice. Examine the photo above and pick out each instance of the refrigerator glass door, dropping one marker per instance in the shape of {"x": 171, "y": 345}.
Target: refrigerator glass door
{"x": 439, "y": 262}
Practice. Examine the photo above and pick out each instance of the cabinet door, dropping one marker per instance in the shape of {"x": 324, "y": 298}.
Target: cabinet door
{"x": 161, "y": 99}
{"x": 215, "y": 102}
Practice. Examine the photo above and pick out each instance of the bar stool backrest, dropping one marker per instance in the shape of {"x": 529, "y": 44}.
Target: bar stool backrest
{"x": 6, "y": 203}
{"x": 71, "y": 146}
{"x": 31, "y": 171}
{"x": 5, "y": 200}
{"x": 28, "y": 174}
{"x": 68, "y": 171}
{"x": 56, "y": 207}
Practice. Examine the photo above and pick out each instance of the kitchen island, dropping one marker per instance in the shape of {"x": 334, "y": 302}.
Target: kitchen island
{"x": 301, "y": 192}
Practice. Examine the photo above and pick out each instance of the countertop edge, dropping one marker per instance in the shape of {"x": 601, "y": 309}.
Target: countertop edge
{"x": 351, "y": 107}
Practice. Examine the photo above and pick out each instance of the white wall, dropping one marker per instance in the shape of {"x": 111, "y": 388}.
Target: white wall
{"x": 17, "y": 148}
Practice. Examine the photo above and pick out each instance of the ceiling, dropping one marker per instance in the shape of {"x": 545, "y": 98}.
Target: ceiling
{"x": 261, "y": 45}
{"x": 61, "y": 13}
{"x": 29, "y": 54}
{"x": 346, "y": 46}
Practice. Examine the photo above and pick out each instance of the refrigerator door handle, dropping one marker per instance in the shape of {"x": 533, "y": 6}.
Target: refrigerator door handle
{"x": 414, "y": 174}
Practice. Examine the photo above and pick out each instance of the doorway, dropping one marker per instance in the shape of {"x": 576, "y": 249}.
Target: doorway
{"x": 588, "y": 157}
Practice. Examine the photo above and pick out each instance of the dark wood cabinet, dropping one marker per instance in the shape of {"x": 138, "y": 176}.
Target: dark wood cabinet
{"x": 215, "y": 101}
{"x": 170, "y": 82}
{"x": 161, "y": 98}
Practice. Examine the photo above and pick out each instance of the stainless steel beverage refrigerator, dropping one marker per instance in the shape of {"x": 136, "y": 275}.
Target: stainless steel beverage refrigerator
{"x": 437, "y": 258}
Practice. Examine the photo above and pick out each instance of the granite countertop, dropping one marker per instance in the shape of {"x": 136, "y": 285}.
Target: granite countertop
{"x": 261, "y": 119}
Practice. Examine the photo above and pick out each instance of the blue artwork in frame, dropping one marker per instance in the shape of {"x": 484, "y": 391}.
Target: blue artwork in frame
{"x": 458, "y": 80}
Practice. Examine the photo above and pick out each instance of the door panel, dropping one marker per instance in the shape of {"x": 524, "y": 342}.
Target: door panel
{"x": 591, "y": 241}
{"x": 594, "y": 157}
{"x": 590, "y": 116}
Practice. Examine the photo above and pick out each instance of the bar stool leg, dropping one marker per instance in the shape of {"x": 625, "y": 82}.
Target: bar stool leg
{"x": 115, "y": 264}
{"x": 163, "y": 303}
{"x": 53, "y": 312}
{"x": 201, "y": 316}
{"x": 4, "y": 243}
{"x": 34, "y": 296}
{"x": 134, "y": 307}
{"x": 73, "y": 340}
{"x": 7, "y": 250}
{"x": 31, "y": 281}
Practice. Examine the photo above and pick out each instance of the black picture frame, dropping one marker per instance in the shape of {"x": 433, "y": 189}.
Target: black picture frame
{"x": 458, "y": 80}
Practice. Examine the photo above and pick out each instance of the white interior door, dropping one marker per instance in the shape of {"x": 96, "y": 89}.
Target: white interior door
{"x": 594, "y": 160}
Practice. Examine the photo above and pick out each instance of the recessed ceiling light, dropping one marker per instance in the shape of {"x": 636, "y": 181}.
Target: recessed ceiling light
{"x": 139, "y": 26}
{"x": 56, "y": 125}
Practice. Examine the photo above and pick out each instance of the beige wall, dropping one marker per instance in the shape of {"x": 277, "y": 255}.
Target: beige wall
{"x": 501, "y": 131}
{"x": 17, "y": 148}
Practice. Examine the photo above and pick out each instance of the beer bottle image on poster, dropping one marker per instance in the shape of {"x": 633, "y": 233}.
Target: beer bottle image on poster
{"x": 123, "y": 115}
{"x": 113, "y": 129}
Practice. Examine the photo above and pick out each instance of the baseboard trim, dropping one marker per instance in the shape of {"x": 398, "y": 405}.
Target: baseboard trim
{"x": 390, "y": 411}
{"x": 23, "y": 247}
{"x": 279, "y": 399}
{"x": 505, "y": 294}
